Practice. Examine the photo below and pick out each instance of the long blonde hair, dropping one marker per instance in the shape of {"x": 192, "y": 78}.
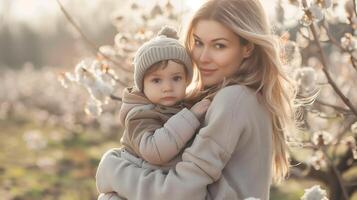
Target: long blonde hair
{"x": 262, "y": 71}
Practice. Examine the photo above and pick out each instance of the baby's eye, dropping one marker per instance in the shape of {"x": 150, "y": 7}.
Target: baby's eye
{"x": 156, "y": 80}
{"x": 219, "y": 46}
{"x": 177, "y": 78}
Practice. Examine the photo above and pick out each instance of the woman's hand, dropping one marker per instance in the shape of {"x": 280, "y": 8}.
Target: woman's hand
{"x": 200, "y": 108}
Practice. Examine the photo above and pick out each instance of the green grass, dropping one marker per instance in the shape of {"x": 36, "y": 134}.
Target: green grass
{"x": 68, "y": 165}
{"x": 65, "y": 168}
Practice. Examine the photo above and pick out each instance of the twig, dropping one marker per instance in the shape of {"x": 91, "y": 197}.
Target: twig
{"x": 333, "y": 106}
{"x": 334, "y": 41}
{"x": 324, "y": 68}
{"x": 353, "y": 62}
{"x": 354, "y": 6}
{"x": 93, "y": 46}
{"x": 113, "y": 97}
{"x": 340, "y": 136}
{"x": 303, "y": 35}
{"x": 337, "y": 173}
{"x": 118, "y": 80}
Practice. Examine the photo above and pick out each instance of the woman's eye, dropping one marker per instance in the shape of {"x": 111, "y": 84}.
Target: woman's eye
{"x": 197, "y": 42}
{"x": 220, "y": 46}
{"x": 177, "y": 78}
{"x": 156, "y": 80}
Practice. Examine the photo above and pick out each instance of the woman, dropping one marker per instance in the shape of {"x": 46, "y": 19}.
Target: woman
{"x": 241, "y": 146}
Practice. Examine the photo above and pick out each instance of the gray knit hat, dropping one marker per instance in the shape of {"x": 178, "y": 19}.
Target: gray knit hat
{"x": 165, "y": 46}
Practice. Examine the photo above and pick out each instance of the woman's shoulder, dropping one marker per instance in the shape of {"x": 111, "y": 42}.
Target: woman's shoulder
{"x": 234, "y": 93}
{"x": 238, "y": 99}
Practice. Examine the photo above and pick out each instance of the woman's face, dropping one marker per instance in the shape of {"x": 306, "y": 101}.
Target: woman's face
{"x": 216, "y": 51}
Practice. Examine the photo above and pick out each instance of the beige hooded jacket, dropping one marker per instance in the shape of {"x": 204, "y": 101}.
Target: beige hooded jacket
{"x": 155, "y": 133}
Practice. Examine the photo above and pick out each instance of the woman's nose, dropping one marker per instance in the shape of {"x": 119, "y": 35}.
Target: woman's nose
{"x": 205, "y": 55}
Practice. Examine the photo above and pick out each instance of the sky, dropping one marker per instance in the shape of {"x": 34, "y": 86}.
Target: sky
{"x": 34, "y": 12}
{"x": 31, "y": 11}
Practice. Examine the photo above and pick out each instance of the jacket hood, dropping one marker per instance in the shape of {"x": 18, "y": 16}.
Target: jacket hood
{"x": 131, "y": 98}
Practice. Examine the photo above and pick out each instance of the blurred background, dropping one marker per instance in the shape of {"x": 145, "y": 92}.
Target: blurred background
{"x": 52, "y": 137}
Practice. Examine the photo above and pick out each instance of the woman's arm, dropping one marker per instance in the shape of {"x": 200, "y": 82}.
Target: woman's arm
{"x": 122, "y": 176}
{"x": 202, "y": 163}
{"x": 158, "y": 145}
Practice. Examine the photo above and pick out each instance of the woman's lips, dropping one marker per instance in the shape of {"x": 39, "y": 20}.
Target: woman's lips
{"x": 207, "y": 72}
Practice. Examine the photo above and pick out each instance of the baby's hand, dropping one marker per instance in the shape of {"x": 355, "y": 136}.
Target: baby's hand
{"x": 200, "y": 108}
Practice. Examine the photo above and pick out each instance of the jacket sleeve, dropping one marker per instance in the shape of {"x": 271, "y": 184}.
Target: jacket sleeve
{"x": 202, "y": 163}
{"x": 160, "y": 145}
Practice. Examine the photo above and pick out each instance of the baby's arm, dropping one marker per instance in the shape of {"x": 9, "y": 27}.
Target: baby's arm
{"x": 163, "y": 144}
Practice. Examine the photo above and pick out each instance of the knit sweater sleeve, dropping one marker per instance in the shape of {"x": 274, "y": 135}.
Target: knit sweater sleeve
{"x": 202, "y": 163}
{"x": 159, "y": 144}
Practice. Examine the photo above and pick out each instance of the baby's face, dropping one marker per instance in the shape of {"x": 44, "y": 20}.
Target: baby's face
{"x": 167, "y": 85}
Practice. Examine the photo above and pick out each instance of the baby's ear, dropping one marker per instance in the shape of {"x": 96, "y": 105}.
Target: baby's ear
{"x": 248, "y": 49}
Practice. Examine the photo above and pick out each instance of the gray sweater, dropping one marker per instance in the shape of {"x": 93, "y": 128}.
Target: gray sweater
{"x": 230, "y": 157}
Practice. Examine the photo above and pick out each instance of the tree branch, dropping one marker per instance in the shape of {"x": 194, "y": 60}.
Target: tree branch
{"x": 338, "y": 108}
{"x": 354, "y": 6}
{"x": 337, "y": 173}
{"x": 324, "y": 68}
{"x": 93, "y": 46}
{"x": 113, "y": 97}
{"x": 337, "y": 44}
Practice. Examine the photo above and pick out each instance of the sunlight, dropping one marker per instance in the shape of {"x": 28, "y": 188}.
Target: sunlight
{"x": 194, "y": 4}
{"x": 29, "y": 10}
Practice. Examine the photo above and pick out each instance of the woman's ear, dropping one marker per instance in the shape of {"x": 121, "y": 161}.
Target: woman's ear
{"x": 248, "y": 49}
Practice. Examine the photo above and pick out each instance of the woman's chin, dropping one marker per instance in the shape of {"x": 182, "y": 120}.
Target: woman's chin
{"x": 210, "y": 81}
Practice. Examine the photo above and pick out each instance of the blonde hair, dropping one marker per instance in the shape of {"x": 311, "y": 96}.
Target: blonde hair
{"x": 262, "y": 71}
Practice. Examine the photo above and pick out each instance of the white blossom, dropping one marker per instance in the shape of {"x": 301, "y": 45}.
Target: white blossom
{"x": 89, "y": 77}
{"x": 93, "y": 108}
{"x": 129, "y": 21}
{"x": 83, "y": 73}
{"x": 292, "y": 54}
{"x": 100, "y": 90}
{"x": 107, "y": 50}
{"x": 306, "y": 79}
{"x": 354, "y": 128}
{"x": 316, "y": 12}
{"x": 349, "y": 42}
{"x": 321, "y": 138}
{"x": 63, "y": 80}
{"x": 314, "y": 193}
{"x": 323, "y": 3}
{"x": 311, "y": 13}
{"x": 124, "y": 44}
{"x": 317, "y": 160}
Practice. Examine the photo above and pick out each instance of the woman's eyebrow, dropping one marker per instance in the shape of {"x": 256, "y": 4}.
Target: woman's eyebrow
{"x": 194, "y": 35}
{"x": 214, "y": 40}
{"x": 220, "y": 39}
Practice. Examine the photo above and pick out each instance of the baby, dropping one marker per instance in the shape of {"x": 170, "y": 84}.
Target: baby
{"x": 157, "y": 123}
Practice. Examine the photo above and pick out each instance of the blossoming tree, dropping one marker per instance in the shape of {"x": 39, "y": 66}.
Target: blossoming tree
{"x": 319, "y": 50}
